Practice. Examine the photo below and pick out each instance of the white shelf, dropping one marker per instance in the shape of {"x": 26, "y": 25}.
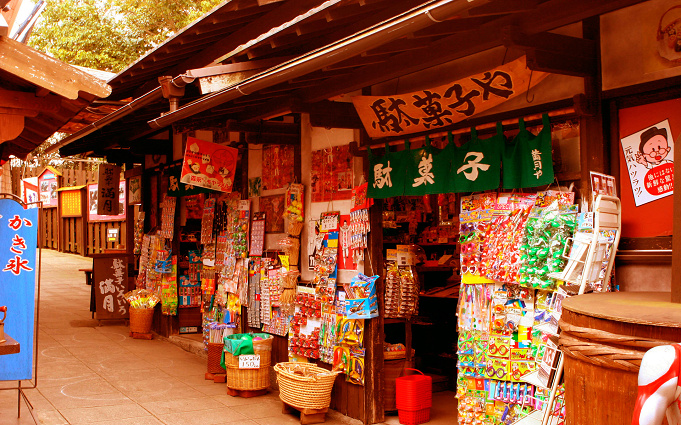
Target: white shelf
{"x": 547, "y": 328}
{"x": 533, "y": 378}
{"x": 535, "y": 418}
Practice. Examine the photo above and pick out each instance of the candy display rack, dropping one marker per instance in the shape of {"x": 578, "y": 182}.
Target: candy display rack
{"x": 596, "y": 263}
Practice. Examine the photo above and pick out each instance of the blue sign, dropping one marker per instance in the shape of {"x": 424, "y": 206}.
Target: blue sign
{"x": 18, "y": 245}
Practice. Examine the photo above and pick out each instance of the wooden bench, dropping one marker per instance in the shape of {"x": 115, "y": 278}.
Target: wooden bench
{"x": 89, "y": 281}
{"x": 88, "y": 275}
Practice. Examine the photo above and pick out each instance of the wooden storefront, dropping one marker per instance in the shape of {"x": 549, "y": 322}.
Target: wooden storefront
{"x": 264, "y": 100}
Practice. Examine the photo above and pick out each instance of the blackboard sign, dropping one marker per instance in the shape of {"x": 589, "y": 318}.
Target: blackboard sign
{"x": 110, "y": 283}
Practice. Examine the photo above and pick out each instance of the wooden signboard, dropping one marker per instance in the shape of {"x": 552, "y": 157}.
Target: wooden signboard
{"x": 110, "y": 283}
{"x": 107, "y": 191}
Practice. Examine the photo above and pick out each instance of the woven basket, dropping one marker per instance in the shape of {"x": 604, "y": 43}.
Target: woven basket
{"x": 295, "y": 227}
{"x": 214, "y": 358}
{"x": 250, "y": 379}
{"x": 304, "y": 385}
{"x": 141, "y": 320}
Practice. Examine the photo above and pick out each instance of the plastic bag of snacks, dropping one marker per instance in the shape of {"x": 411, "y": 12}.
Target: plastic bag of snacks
{"x": 546, "y": 233}
{"x": 141, "y": 298}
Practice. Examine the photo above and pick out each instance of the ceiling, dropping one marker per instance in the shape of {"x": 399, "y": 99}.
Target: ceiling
{"x": 229, "y": 35}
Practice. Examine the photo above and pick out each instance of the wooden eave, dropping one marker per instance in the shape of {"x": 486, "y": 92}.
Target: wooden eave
{"x": 525, "y": 26}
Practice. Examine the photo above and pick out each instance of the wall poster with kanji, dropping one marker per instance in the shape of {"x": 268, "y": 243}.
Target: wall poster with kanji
{"x": 18, "y": 241}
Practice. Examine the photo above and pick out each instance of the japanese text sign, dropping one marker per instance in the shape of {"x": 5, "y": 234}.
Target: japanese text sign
{"x": 18, "y": 241}
{"x": 444, "y": 105}
{"x": 110, "y": 275}
{"x": 249, "y": 361}
{"x": 649, "y": 156}
{"x": 209, "y": 165}
{"x": 107, "y": 191}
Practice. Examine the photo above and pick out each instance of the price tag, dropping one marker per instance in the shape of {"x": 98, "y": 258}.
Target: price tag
{"x": 249, "y": 361}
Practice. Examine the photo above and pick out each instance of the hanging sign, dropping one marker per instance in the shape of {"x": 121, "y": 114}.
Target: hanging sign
{"x": 107, "y": 191}
{"x": 444, "y": 105}
{"x": 18, "y": 239}
{"x": 135, "y": 190}
{"x": 209, "y": 165}
{"x": 649, "y": 156}
{"x": 387, "y": 173}
{"x": 528, "y": 160}
{"x": 475, "y": 166}
{"x": 428, "y": 170}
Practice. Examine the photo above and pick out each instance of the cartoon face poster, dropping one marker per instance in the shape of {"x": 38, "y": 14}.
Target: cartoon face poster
{"x": 209, "y": 165}
{"x": 649, "y": 156}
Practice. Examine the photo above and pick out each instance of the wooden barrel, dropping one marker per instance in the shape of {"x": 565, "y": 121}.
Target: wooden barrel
{"x": 604, "y": 337}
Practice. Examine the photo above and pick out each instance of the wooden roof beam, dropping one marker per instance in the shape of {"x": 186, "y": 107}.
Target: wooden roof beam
{"x": 555, "y": 53}
{"x": 398, "y": 46}
{"x": 503, "y": 7}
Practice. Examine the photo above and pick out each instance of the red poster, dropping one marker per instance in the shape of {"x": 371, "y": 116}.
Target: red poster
{"x": 331, "y": 174}
{"x": 345, "y": 250}
{"x": 209, "y": 165}
{"x": 277, "y": 166}
{"x": 653, "y": 218}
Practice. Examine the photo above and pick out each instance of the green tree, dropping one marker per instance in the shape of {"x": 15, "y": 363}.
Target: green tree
{"x": 110, "y": 34}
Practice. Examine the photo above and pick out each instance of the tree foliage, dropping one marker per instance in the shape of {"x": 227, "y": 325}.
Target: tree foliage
{"x": 111, "y": 34}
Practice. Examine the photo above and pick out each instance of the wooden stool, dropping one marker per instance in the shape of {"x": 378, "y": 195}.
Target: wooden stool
{"x": 218, "y": 378}
{"x": 246, "y": 393}
{"x": 138, "y": 335}
{"x": 307, "y": 416}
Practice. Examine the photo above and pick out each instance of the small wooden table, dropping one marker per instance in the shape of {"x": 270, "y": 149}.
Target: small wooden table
{"x": 10, "y": 346}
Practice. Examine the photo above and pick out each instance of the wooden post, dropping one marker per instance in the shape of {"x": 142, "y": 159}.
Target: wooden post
{"x": 374, "y": 333}
{"x": 593, "y": 152}
{"x": 676, "y": 241}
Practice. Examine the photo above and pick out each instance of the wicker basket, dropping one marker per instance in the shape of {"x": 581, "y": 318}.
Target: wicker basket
{"x": 141, "y": 320}
{"x": 250, "y": 379}
{"x": 304, "y": 385}
{"x": 214, "y": 358}
{"x": 295, "y": 227}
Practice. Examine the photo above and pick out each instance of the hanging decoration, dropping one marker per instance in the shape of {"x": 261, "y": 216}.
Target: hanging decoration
{"x": 526, "y": 160}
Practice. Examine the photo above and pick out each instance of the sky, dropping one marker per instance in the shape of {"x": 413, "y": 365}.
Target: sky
{"x": 24, "y": 10}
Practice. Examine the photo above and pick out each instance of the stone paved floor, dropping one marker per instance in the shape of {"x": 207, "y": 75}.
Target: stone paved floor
{"x": 89, "y": 374}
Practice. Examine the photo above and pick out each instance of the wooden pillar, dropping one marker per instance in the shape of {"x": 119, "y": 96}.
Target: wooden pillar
{"x": 676, "y": 240}
{"x": 374, "y": 334}
{"x": 593, "y": 151}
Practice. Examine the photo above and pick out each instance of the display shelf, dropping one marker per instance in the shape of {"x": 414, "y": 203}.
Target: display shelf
{"x": 435, "y": 268}
{"x": 547, "y": 328}
{"x": 536, "y": 418}
{"x": 437, "y": 244}
{"x": 533, "y": 378}
{"x": 9, "y": 346}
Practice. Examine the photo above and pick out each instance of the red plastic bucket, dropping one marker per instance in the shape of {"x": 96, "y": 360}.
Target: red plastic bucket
{"x": 414, "y": 417}
{"x": 414, "y": 392}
